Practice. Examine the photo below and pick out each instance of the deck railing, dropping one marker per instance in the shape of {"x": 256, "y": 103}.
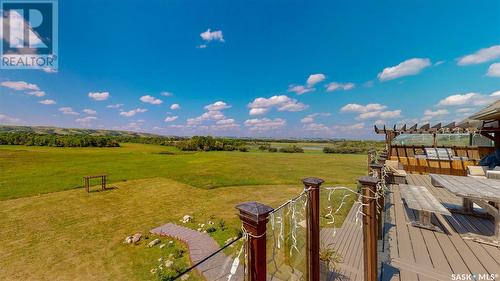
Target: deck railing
{"x": 278, "y": 249}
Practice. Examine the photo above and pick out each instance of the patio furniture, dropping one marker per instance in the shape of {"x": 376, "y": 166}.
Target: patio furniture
{"x": 483, "y": 192}
{"x": 419, "y": 198}
{"x": 477, "y": 171}
{"x": 395, "y": 172}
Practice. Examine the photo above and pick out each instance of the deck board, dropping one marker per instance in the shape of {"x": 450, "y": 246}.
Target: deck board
{"x": 422, "y": 254}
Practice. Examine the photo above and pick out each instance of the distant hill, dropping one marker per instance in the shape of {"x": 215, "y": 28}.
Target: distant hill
{"x": 70, "y": 131}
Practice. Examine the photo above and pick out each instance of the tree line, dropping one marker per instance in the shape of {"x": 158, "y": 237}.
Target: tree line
{"x": 31, "y": 139}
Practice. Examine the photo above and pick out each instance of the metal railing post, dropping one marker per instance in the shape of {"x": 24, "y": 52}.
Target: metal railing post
{"x": 368, "y": 190}
{"x": 254, "y": 217}
{"x": 313, "y": 229}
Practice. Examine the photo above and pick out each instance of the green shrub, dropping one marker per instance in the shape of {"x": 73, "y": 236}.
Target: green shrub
{"x": 328, "y": 150}
{"x": 243, "y": 149}
{"x": 272, "y": 149}
{"x": 292, "y": 149}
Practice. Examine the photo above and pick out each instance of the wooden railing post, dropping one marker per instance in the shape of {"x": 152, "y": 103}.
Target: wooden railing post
{"x": 380, "y": 201}
{"x": 368, "y": 190}
{"x": 254, "y": 216}
{"x": 313, "y": 229}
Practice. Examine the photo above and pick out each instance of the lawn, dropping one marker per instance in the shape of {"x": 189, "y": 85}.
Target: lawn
{"x": 52, "y": 230}
{"x": 28, "y": 171}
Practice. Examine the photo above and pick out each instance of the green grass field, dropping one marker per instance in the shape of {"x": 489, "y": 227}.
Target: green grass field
{"x": 52, "y": 230}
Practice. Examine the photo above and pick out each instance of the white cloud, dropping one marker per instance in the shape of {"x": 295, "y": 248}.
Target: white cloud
{"x": 225, "y": 124}
{"x": 282, "y": 103}
{"x": 482, "y": 55}
{"x": 115, "y": 106}
{"x": 465, "y": 109}
{"x": 315, "y": 78}
{"x": 132, "y": 112}
{"x": 408, "y": 67}
{"x": 494, "y": 70}
{"x": 86, "y": 121}
{"x": 429, "y": 114}
{"x": 317, "y": 128}
{"x": 212, "y": 35}
{"x": 380, "y": 114}
{"x": 265, "y": 124}
{"x": 175, "y": 106}
{"x": 333, "y": 86}
{"x": 7, "y": 120}
{"x": 68, "y": 111}
{"x": 167, "y": 94}
{"x": 299, "y": 89}
{"x": 20, "y": 85}
{"x": 171, "y": 118}
{"x": 310, "y": 118}
{"x": 36, "y": 93}
{"x": 47, "y": 102}
{"x": 99, "y": 96}
{"x": 464, "y": 99}
{"x": 354, "y": 107}
{"x": 151, "y": 100}
{"x": 218, "y": 105}
{"x": 350, "y": 128}
{"x": 90, "y": 111}
{"x": 202, "y": 46}
{"x": 213, "y": 115}
{"x": 495, "y": 94}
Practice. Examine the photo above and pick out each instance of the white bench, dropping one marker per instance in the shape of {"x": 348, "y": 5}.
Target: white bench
{"x": 419, "y": 198}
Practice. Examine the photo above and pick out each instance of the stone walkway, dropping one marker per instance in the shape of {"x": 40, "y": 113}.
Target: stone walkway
{"x": 200, "y": 246}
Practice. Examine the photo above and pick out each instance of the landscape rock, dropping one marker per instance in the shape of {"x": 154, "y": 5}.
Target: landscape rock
{"x": 136, "y": 238}
{"x": 168, "y": 263}
{"x": 162, "y": 245}
{"x": 154, "y": 242}
{"x": 128, "y": 239}
{"x": 187, "y": 218}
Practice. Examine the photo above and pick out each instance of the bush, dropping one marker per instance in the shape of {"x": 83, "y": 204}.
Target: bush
{"x": 243, "y": 149}
{"x": 292, "y": 149}
{"x": 272, "y": 149}
{"x": 211, "y": 229}
{"x": 264, "y": 147}
{"x": 328, "y": 150}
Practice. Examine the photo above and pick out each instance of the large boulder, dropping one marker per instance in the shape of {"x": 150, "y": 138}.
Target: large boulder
{"x": 136, "y": 238}
{"x": 154, "y": 242}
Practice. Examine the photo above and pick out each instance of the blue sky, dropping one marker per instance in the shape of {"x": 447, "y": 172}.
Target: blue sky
{"x": 261, "y": 68}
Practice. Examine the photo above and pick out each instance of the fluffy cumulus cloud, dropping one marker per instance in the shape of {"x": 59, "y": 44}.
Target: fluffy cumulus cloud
{"x": 334, "y": 86}
{"x": 494, "y": 70}
{"x": 210, "y": 35}
{"x": 99, "y": 96}
{"x": 310, "y": 118}
{"x": 469, "y": 99}
{"x": 9, "y": 120}
{"x": 151, "y": 100}
{"x": 86, "y": 121}
{"x": 495, "y": 94}
{"x": 36, "y": 93}
{"x": 132, "y": 112}
{"x": 218, "y": 105}
{"x": 354, "y": 107}
{"x": 265, "y": 124}
{"x": 406, "y": 68}
{"x": 261, "y": 105}
{"x": 67, "y": 111}
{"x": 430, "y": 114}
{"x": 89, "y": 111}
{"x": 349, "y": 128}
{"x": 482, "y": 55}
{"x": 299, "y": 89}
{"x": 20, "y": 85}
{"x": 213, "y": 115}
{"x": 315, "y": 79}
{"x": 167, "y": 94}
{"x": 390, "y": 114}
{"x": 47, "y": 102}
{"x": 171, "y": 118}
{"x": 175, "y": 106}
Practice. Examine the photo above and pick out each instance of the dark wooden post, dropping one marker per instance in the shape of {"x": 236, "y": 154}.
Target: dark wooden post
{"x": 380, "y": 202}
{"x": 254, "y": 216}
{"x": 313, "y": 229}
{"x": 369, "y": 186}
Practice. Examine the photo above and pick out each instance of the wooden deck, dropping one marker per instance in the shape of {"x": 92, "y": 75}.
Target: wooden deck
{"x": 420, "y": 254}
{"x": 348, "y": 242}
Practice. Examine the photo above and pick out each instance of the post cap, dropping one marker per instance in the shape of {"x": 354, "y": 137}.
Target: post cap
{"x": 254, "y": 211}
{"x": 367, "y": 180}
{"x": 312, "y": 181}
